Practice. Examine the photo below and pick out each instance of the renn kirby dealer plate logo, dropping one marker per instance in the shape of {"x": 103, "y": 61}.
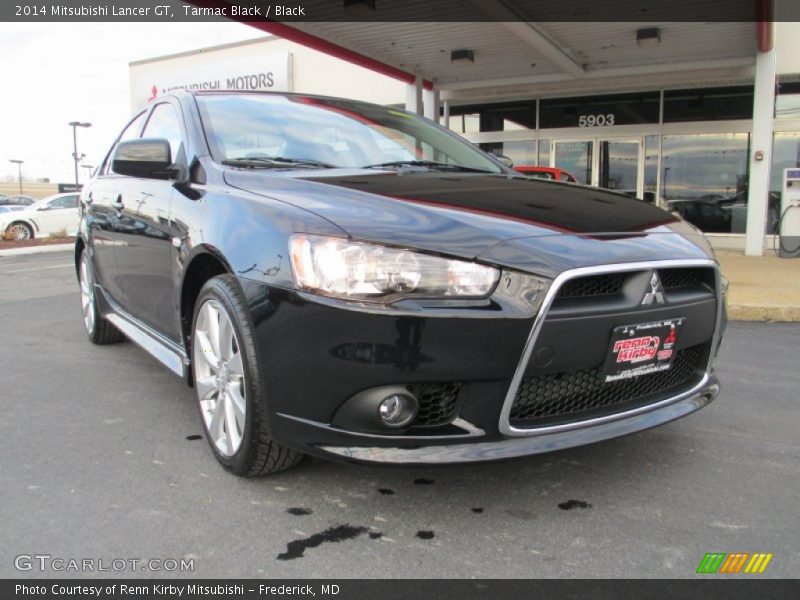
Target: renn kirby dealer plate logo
{"x": 641, "y": 349}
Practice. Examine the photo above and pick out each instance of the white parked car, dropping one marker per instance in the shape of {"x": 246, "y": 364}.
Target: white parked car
{"x": 50, "y": 215}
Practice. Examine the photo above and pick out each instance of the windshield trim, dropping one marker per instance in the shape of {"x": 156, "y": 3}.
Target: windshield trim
{"x": 494, "y": 166}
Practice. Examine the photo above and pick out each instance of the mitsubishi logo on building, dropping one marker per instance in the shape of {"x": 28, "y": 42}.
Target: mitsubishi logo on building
{"x": 656, "y": 293}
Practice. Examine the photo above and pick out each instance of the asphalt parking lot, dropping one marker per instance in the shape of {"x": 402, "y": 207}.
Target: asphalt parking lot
{"x": 100, "y": 460}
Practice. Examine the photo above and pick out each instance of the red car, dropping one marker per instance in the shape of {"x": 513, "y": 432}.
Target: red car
{"x": 547, "y": 173}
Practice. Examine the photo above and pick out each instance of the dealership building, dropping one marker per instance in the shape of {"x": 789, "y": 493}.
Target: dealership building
{"x": 699, "y": 118}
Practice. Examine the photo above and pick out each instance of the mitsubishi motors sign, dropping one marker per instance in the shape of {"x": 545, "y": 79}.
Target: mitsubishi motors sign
{"x": 223, "y": 69}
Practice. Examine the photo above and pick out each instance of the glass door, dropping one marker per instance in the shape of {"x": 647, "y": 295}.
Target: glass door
{"x": 575, "y": 157}
{"x": 613, "y": 164}
{"x": 619, "y": 164}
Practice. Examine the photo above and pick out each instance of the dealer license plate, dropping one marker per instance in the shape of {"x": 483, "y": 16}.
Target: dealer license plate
{"x": 637, "y": 350}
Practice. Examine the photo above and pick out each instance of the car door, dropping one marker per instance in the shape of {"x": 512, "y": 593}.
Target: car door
{"x": 143, "y": 252}
{"x": 60, "y": 215}
{"x": 101, "y": 213}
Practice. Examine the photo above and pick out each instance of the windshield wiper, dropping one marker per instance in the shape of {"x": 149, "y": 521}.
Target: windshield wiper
{"x": 275, "y": 161}
{"x": 430, "y": 164}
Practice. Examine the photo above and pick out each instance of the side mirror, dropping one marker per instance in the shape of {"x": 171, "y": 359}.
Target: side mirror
{"x": 505, "y": 160}
{"x": 149, "y": 158}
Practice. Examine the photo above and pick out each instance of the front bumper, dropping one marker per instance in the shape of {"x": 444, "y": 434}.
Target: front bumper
{"x": 479, "y": 451}
{"x": 315, "y": 356}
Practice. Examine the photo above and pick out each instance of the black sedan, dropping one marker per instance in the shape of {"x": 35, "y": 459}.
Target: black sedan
{"x": 351, "y": 280}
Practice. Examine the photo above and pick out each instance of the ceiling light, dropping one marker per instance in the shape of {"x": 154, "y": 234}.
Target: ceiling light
{"x": 466, "y": 57}
{"x": 648, "y": 37}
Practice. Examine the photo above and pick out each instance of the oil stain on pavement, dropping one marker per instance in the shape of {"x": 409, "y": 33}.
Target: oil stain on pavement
{"x": 340, "y": 533}
{"x": 299, "y": 511}
{"x": 570, "y": 504}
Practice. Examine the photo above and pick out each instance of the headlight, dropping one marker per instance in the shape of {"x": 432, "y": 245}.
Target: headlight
{"x": 354, "y": 270}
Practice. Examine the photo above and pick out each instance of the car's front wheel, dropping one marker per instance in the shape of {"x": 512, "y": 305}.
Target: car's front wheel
{"x": 19, "y": 232}
{"x": 228, "y": 386}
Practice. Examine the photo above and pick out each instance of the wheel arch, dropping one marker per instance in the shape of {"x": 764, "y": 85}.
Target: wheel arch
{"x": 202, "y": 266}
{"x": 80, "y": 246}
{"x": 29, "y": 224}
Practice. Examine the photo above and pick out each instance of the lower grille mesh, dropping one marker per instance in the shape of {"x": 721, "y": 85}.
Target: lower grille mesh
{"x": 438, "y": 403}
{"x": 564, "y": 396}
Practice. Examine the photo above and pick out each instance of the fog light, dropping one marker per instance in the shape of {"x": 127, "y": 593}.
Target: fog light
{"x": 397, "y": 410}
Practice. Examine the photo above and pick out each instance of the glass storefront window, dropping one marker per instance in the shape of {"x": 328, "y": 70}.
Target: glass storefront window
{"x": 521, "y": 153}
{"x": 785, "y": 155}
{"x": 506, "y": 116}
{"x": 465, "y": 123}
{"x": 650, "y": 167}
{"x": 708, "y": 104}
{"x": 544, "y": 153}
{"x": 704, "y": 178}
{"x": 787, "y": 101}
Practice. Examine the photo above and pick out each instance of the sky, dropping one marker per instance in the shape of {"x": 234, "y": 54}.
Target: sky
{"x": 54, "y": 73}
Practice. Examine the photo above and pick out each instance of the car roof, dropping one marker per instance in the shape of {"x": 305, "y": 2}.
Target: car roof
{"x": 61, "y": 195}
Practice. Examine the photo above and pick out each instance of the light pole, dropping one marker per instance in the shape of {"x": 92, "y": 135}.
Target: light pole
{"x": 19, "y": 172}
{"x": 75, "y": 156}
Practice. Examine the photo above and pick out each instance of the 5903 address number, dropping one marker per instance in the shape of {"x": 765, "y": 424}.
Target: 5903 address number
{"x": 596, "y": 120}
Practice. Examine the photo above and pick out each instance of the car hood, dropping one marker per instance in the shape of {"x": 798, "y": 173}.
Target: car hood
{"x": 18, "y": 215}
{"x": 468, "y": 214}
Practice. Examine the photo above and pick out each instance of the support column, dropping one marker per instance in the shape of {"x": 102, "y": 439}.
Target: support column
{"x": 446, "y": 114}
{"x": 414, "y": 96}
{"x": 760, "y": 144}
{"x": 431, "y": 102}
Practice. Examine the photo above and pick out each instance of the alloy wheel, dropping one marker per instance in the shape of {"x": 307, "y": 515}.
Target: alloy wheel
{"x": 219, "y": 377}
{"x": 20, "y": 232}
{"x": 87, "y": 293}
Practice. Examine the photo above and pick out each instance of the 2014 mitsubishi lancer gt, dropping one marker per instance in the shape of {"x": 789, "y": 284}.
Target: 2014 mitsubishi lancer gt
{"x": 350, "y": 280}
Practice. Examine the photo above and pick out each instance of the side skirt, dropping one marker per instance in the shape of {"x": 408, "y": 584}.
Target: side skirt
{"x": 168, "y": 353}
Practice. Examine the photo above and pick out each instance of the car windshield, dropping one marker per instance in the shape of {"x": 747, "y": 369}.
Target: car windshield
{"x": 40, "y": 203}
{"x": 274, "y": 131}
{"x": 541, "y": 174}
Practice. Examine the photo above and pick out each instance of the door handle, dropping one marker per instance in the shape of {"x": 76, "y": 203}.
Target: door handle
{"x": 118, "y": 203}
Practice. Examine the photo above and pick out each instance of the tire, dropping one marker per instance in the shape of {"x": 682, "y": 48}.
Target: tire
{"x": 98, "y": 330}
{"x": 230, "y": 393}
{"x": 19, "y": 231}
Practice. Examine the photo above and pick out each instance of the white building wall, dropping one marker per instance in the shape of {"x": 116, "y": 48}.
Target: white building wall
{"x": 787, "y": 47}
{"x": 294, "y": 68}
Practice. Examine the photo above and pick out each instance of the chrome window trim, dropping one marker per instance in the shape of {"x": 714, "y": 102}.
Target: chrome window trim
{"x": 505, "y": 426}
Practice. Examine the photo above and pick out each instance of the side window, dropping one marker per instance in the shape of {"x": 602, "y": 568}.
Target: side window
{"x": 64, "y": 202}
{"x": 164, "y": 123}
{"x": 131, "y": 131}
{"x": 565, "y": 177}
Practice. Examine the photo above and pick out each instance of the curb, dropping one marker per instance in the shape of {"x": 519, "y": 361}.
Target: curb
{"x": 759, "y": 312}
{"x": 37, "y": 249}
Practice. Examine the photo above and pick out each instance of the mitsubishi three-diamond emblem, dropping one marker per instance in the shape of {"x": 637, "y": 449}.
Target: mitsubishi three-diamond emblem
{"x": 656, "y": 293}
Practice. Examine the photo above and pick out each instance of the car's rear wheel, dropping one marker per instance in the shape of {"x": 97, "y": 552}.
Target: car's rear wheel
{"x": 228, "y": 385}
{"x": 19, "y": 231}
{"x": 98, "y": 330}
